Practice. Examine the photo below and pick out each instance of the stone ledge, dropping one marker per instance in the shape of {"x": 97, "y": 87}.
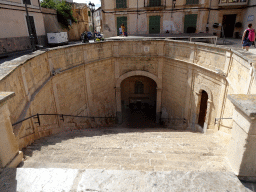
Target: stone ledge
{"x": 4, "y": 96}
{"x": 246, "y": 103}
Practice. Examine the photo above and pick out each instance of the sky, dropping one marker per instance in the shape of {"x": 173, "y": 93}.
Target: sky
{"x": 96, "y": 2}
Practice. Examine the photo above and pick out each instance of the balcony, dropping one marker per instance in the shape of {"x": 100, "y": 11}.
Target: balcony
{"x": 233, "y": 3}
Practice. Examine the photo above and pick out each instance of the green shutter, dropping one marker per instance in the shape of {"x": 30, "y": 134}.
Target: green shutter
{"x": 154, "y": 24}
{"x": 191, "y": 2}
{"x": 154, "y": 3}
{"x": 120, "y": 3}
{"x": 119, "y": 22}
{"x": 190, "y": 23}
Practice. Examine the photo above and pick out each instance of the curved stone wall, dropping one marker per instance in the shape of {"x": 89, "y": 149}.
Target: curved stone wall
{"x": 83, "y": 80}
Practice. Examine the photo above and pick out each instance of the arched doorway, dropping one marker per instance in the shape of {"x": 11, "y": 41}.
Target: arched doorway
{"x": 138, "y": 73}
{"x": 203, "y": 108}
{"x": 138, "y": 100}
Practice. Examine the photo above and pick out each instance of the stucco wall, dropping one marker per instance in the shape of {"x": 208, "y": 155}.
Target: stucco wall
{"x": 14, "y": 35}
{"x": 76, "y": 80}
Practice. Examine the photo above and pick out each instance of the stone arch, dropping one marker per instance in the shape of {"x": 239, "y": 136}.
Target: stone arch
{"x": 138, "y": 73}
{"x": 201, "y": 88}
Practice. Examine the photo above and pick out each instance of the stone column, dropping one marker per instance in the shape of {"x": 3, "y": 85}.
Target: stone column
{"x": 241, "y": 150}
{"x": 158, "y": 104}
{"x": 207, "y": 116}
{"x": 118, "y": 106}
{"x": 10, "y": 156}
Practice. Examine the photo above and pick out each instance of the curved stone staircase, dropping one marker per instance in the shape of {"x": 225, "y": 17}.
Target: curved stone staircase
{"x": 128, "y": 159}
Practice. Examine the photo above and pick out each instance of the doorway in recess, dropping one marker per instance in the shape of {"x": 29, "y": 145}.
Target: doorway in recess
{"x": 138, "y": 98}
{"x": 203, "y": 108}
{"x": 228, "y": 24}
{"x": 30, "y": 20}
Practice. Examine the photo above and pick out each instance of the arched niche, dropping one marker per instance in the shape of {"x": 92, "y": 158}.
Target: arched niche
{"x": 138, "y": 73}
{"x": 203, "y": 88}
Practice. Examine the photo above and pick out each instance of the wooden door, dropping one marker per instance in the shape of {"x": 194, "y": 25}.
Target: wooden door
{"x": 154, "y": 24}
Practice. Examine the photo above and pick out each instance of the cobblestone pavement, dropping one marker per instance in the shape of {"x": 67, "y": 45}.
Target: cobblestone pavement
{"x": 149, "y": 149}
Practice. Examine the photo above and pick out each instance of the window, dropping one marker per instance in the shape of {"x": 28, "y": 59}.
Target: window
{"x": 191, "y": 2}
{"x": 120, "y": 3}
{"x": 154, "y": 3}
{"x": 28, "y": 2}
{"x": 139, "y": 87}
{"x": 89, "y": 13}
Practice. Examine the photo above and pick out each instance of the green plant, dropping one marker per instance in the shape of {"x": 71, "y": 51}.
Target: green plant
{"x": 64, "y": 11}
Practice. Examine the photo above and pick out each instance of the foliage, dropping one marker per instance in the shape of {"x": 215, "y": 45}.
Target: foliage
{"x": 64, "y": 11}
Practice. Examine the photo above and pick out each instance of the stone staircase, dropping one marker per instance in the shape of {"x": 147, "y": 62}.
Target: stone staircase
{"x": 155, "y": 149}
{"x": 125, "y": 159}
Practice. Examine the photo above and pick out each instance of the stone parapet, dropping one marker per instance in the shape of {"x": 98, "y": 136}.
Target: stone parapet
{"x": 10, "y": 156}
{"x": 241, "y": 151}
{"x": 82, "y": 80}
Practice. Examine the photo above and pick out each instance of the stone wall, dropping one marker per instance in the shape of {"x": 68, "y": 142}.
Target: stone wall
{"x": 86, "y": 80}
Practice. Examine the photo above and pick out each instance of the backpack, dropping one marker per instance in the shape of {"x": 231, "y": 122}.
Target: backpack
{"x": 251, "y": 35}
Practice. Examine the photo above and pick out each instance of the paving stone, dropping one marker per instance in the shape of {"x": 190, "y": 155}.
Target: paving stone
{"x": 54, "y": 180}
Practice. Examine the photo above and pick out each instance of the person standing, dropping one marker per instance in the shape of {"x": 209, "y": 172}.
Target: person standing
{"x": 248, "y": 37}
{"x": 123, "y": 29}
{"x": 120, "y": 31}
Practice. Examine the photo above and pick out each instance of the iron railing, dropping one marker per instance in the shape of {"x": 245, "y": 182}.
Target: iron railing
{"x": 60, "y": 115}
{"x": 218, "y": 119}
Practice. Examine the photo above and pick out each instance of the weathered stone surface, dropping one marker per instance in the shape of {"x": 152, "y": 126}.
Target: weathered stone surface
{"x": 246, "y": 103}
{"x": 155, "y": 149}
{"x": 4, "y": 96}
{"x": 31, "y": 180}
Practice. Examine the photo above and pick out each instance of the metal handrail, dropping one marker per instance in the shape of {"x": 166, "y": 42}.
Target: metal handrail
{"x": 61, "y": 115}
{"x": 217, "y": 119}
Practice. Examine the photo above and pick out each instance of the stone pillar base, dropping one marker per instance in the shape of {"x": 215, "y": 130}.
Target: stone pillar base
{"x": 16, "y": 160}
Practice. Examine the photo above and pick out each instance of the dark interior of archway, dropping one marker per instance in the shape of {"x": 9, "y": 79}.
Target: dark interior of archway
{"x": 203, "y": 108}
{"x": 138, "y": 95}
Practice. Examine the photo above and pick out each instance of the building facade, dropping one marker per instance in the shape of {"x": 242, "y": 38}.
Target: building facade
{"x": 250, "y": 15}
{"x": 81, "y": 14}
{"x": 97, "y": 18}
{"x": 14, "y": 33}
{"x": 177, "y": 16}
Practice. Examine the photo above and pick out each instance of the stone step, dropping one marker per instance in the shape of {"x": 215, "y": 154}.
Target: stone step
{"x": 54, "y": 179}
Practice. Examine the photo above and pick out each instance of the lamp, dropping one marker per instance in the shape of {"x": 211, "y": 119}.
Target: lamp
{"x": 92, "y": 8}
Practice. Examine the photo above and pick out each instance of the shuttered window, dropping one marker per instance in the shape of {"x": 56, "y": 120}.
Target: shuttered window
{"x": 191, "y": 2}
{"x": 120, "y": 3}
{"x": 154, "y": 3}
